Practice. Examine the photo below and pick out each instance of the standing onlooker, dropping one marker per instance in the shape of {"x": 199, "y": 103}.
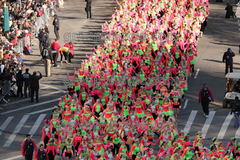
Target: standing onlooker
{"x": 56, "y": 26}
{"x": 229, "y": 9}
{"x": 236, "y": 110}
{"x": 237, "y": 2}
{"x": 205, "y": 96}
{"x": 40, "y": 38}
{"x": 46, "y": 39}
{"x": 55, "y": 52}
{"x": 19, "y": 78}
{"x": 228, "y": 58}
{"x": 41, "y": 153}
{"x": 35, "y": 84}
{"x": 70, "y": 45}
{"x": 48, "y": 58}
{"x": 88, "y": 8}
{"x": 28, "y": 146}
{"x": 27, "y": 83}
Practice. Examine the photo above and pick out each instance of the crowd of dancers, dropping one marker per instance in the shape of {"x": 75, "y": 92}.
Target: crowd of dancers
{"x": 123, "y": 101}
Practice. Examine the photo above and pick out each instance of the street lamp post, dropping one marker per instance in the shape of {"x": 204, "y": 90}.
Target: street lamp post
{"x": 6, "y": 18}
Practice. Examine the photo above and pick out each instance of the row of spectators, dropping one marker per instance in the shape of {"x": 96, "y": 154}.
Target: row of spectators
{"x": 25, "y": 19}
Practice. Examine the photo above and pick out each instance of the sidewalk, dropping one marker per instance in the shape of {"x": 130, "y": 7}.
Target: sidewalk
{"x": 72, "y": 20}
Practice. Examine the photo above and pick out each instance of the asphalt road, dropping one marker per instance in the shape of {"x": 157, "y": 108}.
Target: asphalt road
{"x": 21, "y": 117}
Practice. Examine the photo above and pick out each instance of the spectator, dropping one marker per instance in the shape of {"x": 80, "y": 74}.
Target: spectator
{"x": 35, "y": 85}
{"x": 88, "y": 8}
{"x": 40, "y": 38}
{"x": 236, "y": 110}
{"x": 237, "y": 86}
{"x": 205, "y": 96}
{"x": 19, "y": 79}
{"x": 229, "y": 10}
{"x": 27, "y": 83}
{"x": 46, "y": 40}
{"x": 48, "y": 58}
{"x": 228, "y": 59}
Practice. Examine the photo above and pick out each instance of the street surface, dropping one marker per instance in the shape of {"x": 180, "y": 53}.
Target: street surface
{"x": 21, "y": 117}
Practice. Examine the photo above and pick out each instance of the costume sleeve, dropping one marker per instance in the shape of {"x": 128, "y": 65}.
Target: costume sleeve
{"x": 184, "y": 152}
{"x": 199, "y": 94}
{"x": 23, "y": 148}
{"x": 120, "y": 150}
{"x": 133, "y": 147}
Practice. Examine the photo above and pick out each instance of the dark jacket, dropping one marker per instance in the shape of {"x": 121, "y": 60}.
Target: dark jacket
{"x": 236, "y": 107}
{"x": 56, "y": 22}
{"x": 228, "y": 57}
{"x": 89, "y": 3}
{"x": 47, "y": 53}
{"x": 26, "y": 78}
{"x": 42, "y": 155}
{"x": 28, "y": 147}
{"x": 229, "y": 12}
{"x": 237, "y": 87}
{"x": 205, "y": 95}
{"x": 45, "y": 37}
{"x": 19, "y": 79}
{"x": 40, "y": 36}
{"x": 35, "y": 81}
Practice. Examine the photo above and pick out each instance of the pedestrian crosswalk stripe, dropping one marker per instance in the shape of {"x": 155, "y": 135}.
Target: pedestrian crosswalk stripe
{"x": 225, "y": 126}
{"x": 5, "y": 124}
{"x": 237, "y": 135}
{"x": 30, "y": 106}
{"x": 40, "y": 111}
{"x": 207, "y": 123}
{"x": 16, "y": 130}
{"x": 36, "y": 124}
{"x": 190, "y": 121}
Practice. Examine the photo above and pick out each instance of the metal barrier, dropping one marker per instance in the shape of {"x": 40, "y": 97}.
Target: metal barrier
{"x": 5, "y": 90}
{"x": 19, "y": 48}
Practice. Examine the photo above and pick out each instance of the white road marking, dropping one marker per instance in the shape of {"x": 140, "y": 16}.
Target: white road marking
{"x": 16, "y": 157}
{"x": 190, "y": 121}
{"x": 30, "y": 106}
{"x": 53, "y": 88}
{"x": 16, "y": 130}
{"x": 225, "y": 126}
{"x": 40, "y": 111}
{"x": 27, "y": 99}
{"x": 195, "y": 77}
{"x": 207, "y": 123}
{"x": 43, "y": 88}
{"x": 85, "y": 21}
{"x": 5, "y": 124}
{"x": 237, "y": 135}
{"x": 185, "y": 104}
{"x": 238, "y": 12}
{"x": 36, "y": 124}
